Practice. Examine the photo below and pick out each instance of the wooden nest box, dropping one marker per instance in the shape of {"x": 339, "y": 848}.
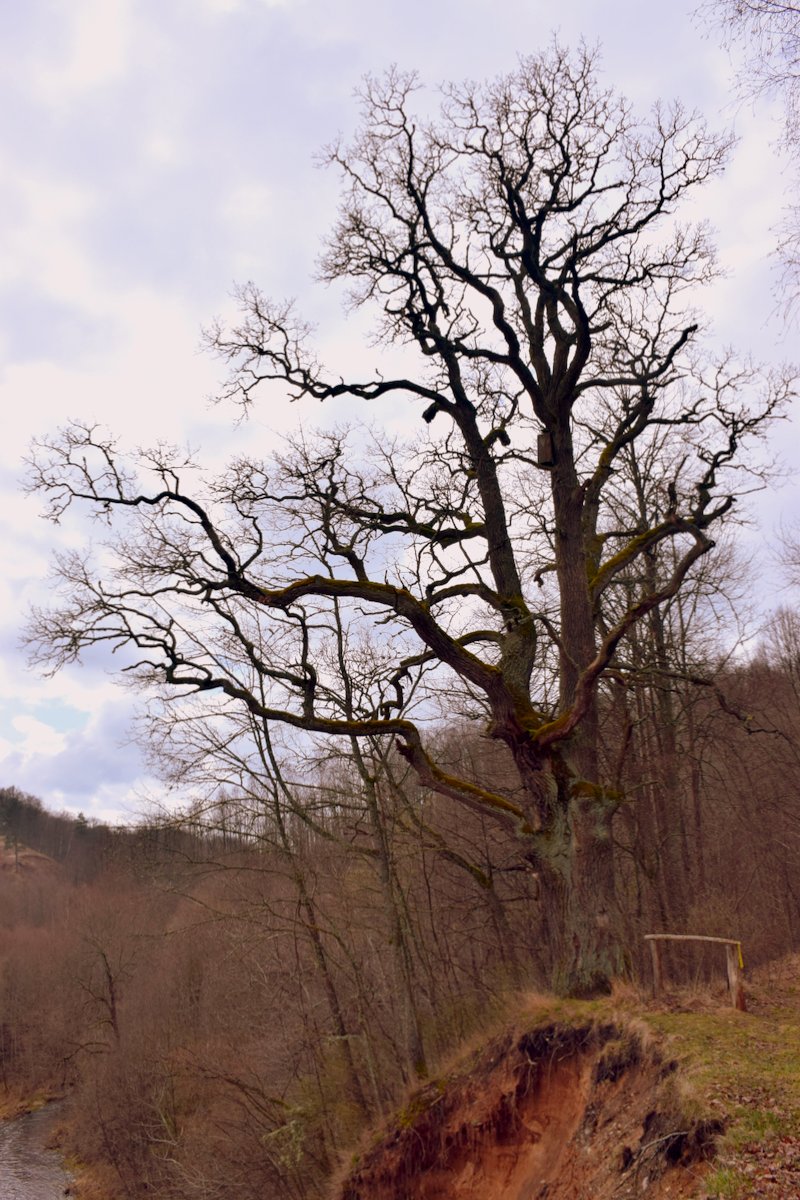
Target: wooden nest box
{"x": 545, "y": 454}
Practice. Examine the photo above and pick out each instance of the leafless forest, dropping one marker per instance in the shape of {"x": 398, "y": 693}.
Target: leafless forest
{"x": 229, "y": 999}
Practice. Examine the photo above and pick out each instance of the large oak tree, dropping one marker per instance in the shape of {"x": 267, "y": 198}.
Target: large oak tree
{"x": 524, "y": 256}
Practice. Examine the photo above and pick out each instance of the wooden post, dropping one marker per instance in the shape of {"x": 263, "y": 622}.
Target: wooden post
{"x": 655, "y": 954}
{"x": 732, "y": 952}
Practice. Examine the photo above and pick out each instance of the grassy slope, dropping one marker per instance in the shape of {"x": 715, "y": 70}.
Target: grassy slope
{"x": 745, "y": 1067}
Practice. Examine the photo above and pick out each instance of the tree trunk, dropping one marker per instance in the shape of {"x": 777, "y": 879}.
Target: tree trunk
{"x": 582, "y": 916}
{"x": 575, "y": 852}
{"x": 597, "y": 954}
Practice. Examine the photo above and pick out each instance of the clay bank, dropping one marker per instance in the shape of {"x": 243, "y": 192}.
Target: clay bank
{"x": 563, "y": 1112}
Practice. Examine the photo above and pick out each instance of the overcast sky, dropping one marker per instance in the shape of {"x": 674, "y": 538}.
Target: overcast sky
{"x": 153, "y": 153}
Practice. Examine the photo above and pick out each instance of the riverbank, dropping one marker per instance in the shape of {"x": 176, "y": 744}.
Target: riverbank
{"x": 17, "y": 1104}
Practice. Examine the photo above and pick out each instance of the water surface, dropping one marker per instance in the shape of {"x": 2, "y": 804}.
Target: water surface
{"x": 29, "y": 1171}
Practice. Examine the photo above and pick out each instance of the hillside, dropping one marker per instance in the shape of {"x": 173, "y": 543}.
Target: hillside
{"x": 24, "y": 861}
{"x": 588, "y": 1101}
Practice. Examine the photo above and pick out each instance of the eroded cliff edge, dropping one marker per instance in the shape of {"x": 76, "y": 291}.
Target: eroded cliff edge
{"x": 582, "y": 1112}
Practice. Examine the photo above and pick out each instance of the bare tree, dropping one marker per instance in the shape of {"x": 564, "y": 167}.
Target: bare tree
{"x": 768, "y": 31}
{"x": 523, "y": 251}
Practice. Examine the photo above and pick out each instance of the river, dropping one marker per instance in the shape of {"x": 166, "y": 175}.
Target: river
{"x": 29, "y": 1171}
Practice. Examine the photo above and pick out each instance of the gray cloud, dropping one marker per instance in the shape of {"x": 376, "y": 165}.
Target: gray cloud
{"x": 94, "y": 759}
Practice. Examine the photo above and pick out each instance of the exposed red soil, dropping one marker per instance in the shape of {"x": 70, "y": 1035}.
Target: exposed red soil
{"x": 558, "y": 1113}
{"x": 24, "y": 861}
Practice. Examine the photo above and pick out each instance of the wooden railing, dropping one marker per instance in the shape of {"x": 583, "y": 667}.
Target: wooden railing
{"x": 733, "y": 958}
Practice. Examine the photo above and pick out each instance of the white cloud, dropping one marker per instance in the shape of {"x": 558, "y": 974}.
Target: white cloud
{"x": 41, "y": 243}
{"x": 225, "y": 7}
{"x": 93, "y": 766}
{"x": 247, "y": 205}
{"x": 37, "y": 738}
{"x": 75, "y": 690}
{"x": 149, "y": 382}
{"x": 113, "y": 803}
{"x": 93, "y": 51}
{"x": 162, "y": 149}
